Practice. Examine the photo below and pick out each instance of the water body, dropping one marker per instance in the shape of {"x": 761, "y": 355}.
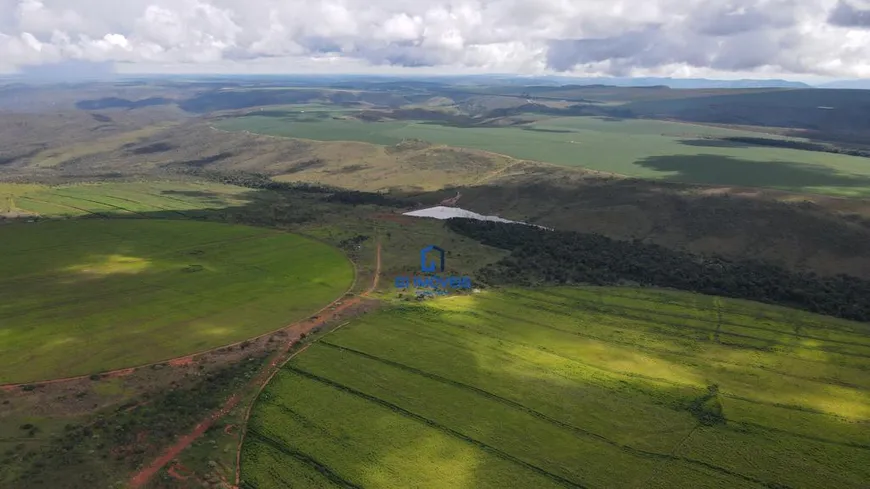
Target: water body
{"x": 443, "y": 212}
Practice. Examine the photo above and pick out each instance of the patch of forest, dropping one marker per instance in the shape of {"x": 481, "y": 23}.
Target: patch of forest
{"x": 540, "y": 257}
{"x": 802, "y": 145}
{"x": 121, "y": 103}
{"x": 260, "y": 181}
{"x": 241, "y": 99}
{"x": 828, "y": 111}
{"x": 251, "y": 180}
{"x": 490, "y": 118}
{"x": 354, "y": 198}
{"x": 150, "y": 148}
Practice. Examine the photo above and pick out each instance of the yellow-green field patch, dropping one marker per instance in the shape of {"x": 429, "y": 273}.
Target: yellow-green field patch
{"x": 54, "y": 157}
{"x": 84, "y": 296}
{"x": 127, "y": 198}
{"x": 571, "y": 387}
{"x": 649, "y": 149}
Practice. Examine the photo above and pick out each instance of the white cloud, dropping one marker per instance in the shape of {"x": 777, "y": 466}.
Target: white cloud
{"x": 400, "y": 27}
{"x": 33, "y": 16}
{"x": 657, "y": 37}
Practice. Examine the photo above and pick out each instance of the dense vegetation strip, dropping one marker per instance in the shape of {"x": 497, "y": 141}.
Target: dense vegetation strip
{"x": 561, "y": 257}
{"x": 801, "y": 145}
{"x": 261, "y": 181}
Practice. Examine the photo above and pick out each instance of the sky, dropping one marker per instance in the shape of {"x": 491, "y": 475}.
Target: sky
{"x": 792, "y": 39}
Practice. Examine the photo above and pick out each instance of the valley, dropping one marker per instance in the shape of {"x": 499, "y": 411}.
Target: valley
{"x": 200, "y": 291}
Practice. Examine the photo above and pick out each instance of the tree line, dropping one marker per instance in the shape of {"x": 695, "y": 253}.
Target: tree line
{"x": 802, "y": 145}
{"x": 261, "y": 181}
{"x": 540, "y": 257}
{"x": 355, "y": 198}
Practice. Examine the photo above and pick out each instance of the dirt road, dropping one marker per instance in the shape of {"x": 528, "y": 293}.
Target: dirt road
{"x": 260, "y": 381}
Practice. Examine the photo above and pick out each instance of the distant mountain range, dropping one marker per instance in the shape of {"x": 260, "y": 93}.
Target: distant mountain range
{"x": 682, "y": 82}
{"x": 507, "y": 79}
{"x": 857, "y": 84}
{"x": 555, "y": 80}
{"x": 72, "y": 72}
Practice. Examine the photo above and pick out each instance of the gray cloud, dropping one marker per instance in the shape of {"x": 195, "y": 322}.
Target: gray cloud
{"x": 847, "y": 15}
{"x": 617, "y": 37}
{"x": 565, "y": 54}
{"x": 731, "y": 18}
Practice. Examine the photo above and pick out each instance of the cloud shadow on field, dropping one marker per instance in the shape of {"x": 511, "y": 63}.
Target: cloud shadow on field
{"x": 204, "y": 196}
{"x": 726, "y": 170}
{"x": 543, "y": 129}
{"x": 715, "y": 143}
{"x": 611, "y": 410}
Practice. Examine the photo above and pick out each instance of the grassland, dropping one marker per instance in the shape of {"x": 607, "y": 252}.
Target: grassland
{"x": 637, "y": 148}
{"x": 10, "y": 193}
{"x": 365, "y": 166}
{"x": 50, "y": 158}
{"x": 131, "y": 199}
{"x": 83, "y": 296}
{"x": 588, "y": 387}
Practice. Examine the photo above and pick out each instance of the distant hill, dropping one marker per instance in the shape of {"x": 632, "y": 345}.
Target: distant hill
{"x": 432, "y": 81}
{"x": 554, "y": 80}
{"x": 853, "y": 84}
{"x": 68, "y": 71}
{"x": 823, "y": 111}
{"x": 680, "y": 82}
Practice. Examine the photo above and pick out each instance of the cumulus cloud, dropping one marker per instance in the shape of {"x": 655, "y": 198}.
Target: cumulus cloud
{"x": 850, "y": 15}
{"x": 595, "y": 37}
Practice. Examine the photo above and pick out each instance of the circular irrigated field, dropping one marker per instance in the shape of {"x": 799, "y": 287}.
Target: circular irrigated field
{"x": 87, "y": 296}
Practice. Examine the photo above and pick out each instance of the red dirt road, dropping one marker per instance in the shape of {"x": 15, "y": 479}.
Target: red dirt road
{"x": 296, "y": 330}
{"x": 145, "y": 475}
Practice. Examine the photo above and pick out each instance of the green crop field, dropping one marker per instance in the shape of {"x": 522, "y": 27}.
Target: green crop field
{"x": 637, "y": 148}
{"x": 571, "y": 387}
{"x": 134, "y": 199}
{"x": 89, "y": 295}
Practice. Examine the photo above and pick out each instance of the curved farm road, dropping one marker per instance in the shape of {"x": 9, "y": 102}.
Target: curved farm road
{"x": 141, "y": 478}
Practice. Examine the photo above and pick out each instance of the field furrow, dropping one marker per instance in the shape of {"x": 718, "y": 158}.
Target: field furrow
{"x": 575, "y": 384}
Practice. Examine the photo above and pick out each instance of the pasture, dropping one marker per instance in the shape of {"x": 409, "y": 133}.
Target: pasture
{"x": 570, "y": 387}
{"x": 87, "y": 295}
{"x": 637, "y": 148}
